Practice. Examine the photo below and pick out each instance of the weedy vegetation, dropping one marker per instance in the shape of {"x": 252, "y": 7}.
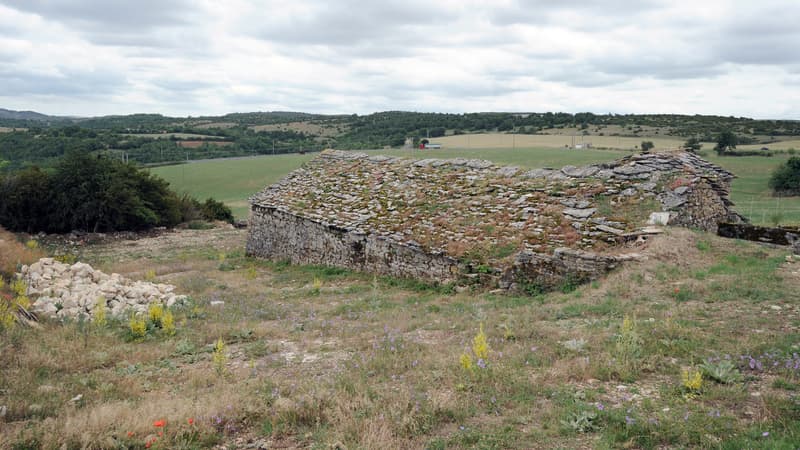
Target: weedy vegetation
{"x": 695, "y": 347}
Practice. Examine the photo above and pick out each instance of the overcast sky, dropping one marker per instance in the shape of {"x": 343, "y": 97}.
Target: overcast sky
{"x": 182, "y": 57}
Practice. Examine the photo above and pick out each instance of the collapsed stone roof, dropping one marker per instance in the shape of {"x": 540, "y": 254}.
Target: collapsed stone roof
{"x": 477, "y": 211}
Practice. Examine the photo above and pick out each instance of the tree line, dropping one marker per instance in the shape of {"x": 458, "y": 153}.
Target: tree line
{"x": 95, "y": 193}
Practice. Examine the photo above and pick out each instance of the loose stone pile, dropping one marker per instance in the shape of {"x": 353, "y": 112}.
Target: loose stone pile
{"x": 61, "y": 290}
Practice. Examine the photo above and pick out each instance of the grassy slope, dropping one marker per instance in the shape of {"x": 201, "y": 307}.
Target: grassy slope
{"x": 234, "y": 180}
{"x": 316, "y": 357}
{"x": 230, "y": 180}
{"x": 750, "y": 191}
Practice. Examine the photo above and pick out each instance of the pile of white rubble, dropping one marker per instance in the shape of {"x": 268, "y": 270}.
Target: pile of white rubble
{"x": 61, "y": 290}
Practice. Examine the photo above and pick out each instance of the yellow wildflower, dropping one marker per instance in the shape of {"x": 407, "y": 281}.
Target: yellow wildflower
{"x": 218, "y": 358}
{"x": 99, "y": 313}
{"x": 156, "y": 313}
{"x": 168, "y": 323}
{"x": 138, "y": 327}
{"x": 692, "y": 380}
{"x": 480, "y": 345}
{"x": 466, "y": 361}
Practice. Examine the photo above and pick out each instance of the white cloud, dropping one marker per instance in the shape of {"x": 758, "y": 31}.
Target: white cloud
{"x": 81, "y": 57}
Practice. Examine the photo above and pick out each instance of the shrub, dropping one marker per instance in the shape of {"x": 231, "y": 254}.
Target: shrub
{"x": 95, "y": 193}
{"x": 786, "y": 177}
{"x": 215, "y": 210}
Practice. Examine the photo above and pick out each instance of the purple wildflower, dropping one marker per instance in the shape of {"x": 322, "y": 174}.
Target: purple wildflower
{"x": 600, "y": 406}
{"x": 765, "y": 434}
{"x": 481, "y": 363}
{"x": 629, "y": 420}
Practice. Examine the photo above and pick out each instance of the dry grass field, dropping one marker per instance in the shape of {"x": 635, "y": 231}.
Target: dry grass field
{"x": 315, "y": 357}
{"x": 501, "y": 140}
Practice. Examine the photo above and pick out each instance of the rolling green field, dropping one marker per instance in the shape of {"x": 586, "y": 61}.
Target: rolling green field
{"x": 230, "y": 180}
{"x": 234, "y": 180}
{"x": 750, "y": 191}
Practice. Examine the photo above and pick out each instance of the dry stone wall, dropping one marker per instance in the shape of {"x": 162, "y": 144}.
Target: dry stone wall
{"x": 445, "y": 220}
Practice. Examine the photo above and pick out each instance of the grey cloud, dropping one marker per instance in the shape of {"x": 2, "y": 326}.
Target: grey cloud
{"x": 182, "y": 86}
{"x": 582, "y": 76}
{"x": 142, "y": 23}
{"x": 69, "y": 83}
{"x": 660, "y": 68}
{"x": 522, "y": 12}
{"x": 770, "y": 36}
{"x": 140, "y": 15}
{"x": 351, "y": 22}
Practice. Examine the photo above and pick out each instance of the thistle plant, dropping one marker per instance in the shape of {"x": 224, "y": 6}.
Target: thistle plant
{"x": 722, "y": 371}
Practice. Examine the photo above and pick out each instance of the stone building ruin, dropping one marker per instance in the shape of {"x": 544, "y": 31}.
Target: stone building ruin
{"x": 472, "y": 221}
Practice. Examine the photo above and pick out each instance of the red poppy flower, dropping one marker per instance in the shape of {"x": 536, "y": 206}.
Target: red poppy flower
{"x": 130, "y": 433}
{"x": 191, "y": 421}
{"x": 159, "y": 423}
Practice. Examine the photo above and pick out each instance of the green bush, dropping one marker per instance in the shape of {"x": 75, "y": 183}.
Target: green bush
{"x": 786, "y": 177}
{"x": 214, "y": 210}
{"x": 94, "y": 193}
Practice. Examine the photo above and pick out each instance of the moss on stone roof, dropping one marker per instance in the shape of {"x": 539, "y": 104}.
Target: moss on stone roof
{"x": 476, "y": 210}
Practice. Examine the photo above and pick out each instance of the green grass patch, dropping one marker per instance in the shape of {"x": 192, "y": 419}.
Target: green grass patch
{"x": 231, "y": 181}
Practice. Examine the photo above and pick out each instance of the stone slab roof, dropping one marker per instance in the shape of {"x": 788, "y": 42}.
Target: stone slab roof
{"x": 477, "y": 210}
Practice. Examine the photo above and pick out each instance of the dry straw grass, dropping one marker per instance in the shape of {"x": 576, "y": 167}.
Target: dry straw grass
{"x": 373, "y": 363}
{"x": 14, "y": 253}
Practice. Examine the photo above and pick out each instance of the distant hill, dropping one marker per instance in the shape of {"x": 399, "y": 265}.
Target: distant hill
{"x": 25, "y": 115}
{"x": 28, "y": 137}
